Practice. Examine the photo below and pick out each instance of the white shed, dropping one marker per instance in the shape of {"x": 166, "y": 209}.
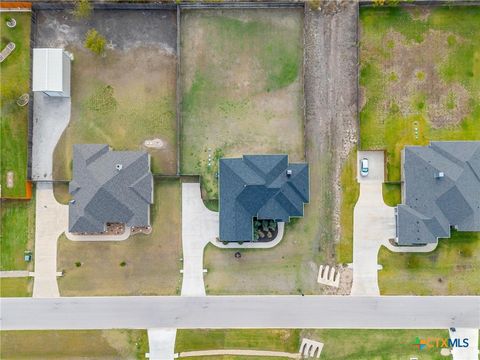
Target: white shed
{"x": 51, "y": 72}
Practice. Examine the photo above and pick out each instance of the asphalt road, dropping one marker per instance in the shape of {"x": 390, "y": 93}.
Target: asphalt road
{"x": 241, "y": 312}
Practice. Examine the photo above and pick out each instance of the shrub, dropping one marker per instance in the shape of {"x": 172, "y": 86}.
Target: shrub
{"x": 83, "y": 9}
{"x": 78, "y": 264}
{"x": 123, "y": 263}
{"x": 95, "y": 42}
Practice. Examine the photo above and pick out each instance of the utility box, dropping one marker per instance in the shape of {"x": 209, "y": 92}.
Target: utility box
{"x": 51, "y": 72}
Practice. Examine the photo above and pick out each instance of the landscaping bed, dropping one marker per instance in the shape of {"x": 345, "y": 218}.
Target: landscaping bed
{"x": 15, "y": 82}
{"x": 241, "y": 80}
{"x": 69, "y": 344}
{"x": 141, "y": 265}
{"x": 124, "y": 97}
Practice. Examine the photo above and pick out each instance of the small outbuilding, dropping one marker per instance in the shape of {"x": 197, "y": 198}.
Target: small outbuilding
{"x": 51, "y": 72}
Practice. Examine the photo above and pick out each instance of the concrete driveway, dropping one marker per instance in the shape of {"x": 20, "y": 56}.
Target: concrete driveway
{"x": 373, "y": 223}
{"x": 465, "y": 353}
{"x": 51, "y": 116}
{"x": 51, "y": 221}
{"x": 199, "y": 227}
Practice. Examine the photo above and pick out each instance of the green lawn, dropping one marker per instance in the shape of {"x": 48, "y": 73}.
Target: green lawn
{"x": 15, "y": 74}
{"x": 16, "y": 287}
{"x": 152, "y": 262}
{"x": 452, "y": 269}
{"x": 392, "y": 194}
{"x": 375, "y": 344}
{"x": 17, "y": 233}
{"x": 264, "y": 339}
{"x": 350, "y": 193}
{"x": 242, "y": 88}
{"x": 67, "y": 344}
{"x": 420, "y": 77}
{"x": 60, "y": 191}
{"x": 338, "y": 344}
{"x": 122, "y": 100}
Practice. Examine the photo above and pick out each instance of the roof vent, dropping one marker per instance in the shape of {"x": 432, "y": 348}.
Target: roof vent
{"x": 289, "y": 172}
{"x": 118, "y": 167}
{"x": 439, "y": 175}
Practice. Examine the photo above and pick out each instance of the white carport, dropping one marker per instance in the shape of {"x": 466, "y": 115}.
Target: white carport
{"x": 51, "y": 72}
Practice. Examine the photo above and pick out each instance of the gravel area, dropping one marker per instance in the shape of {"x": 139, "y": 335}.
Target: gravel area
{"x": 331, "y": 106}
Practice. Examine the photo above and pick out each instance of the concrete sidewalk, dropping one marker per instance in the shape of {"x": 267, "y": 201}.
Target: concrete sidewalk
{"x": 374, "y": 223}
{"x": 199, "y": 227}
{"x": 51, "y": 221}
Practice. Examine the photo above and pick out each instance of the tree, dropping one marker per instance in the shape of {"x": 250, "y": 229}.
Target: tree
{"x": 95, "y": 42}
{"x": 83, "y": 9}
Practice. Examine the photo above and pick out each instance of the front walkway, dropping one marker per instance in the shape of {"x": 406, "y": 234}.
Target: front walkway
{"x": 14, "y": 274}
{"x": 199, "y": 227}
{"x": 51, "y": 116}
{"x": 374, "y": 223}
{"x": 51, "y": 221}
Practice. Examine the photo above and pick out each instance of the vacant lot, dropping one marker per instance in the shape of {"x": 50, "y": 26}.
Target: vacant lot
{"x": 16, "y": 287}
{"x": 79, "y": 344}
{"x": 124, "y": 97}
{"x": 15, "y": 72}
{"x": 420, "y": 78}
{"x": 241, "y": 79}
{"x": 141, "y": 265}
{"x": 17, "y": 233}
{"x": 452, "y": 269}
{"x": 338, "y": 344}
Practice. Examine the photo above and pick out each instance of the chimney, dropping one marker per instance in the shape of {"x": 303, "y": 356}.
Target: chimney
{"x": 289, "y": 172}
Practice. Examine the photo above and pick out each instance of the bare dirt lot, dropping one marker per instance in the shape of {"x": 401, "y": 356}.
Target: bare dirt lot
{"x": 331, "y": 132}
{"x": 125, "y": 96}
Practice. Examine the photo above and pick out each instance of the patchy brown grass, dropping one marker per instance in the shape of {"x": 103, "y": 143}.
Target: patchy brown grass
{"x": 121, "y": 100}
{"x": 152, "y": 261}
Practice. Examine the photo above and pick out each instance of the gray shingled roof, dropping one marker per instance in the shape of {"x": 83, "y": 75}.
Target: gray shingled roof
{"x": 109, "y": 186}
{"x": 433, "y": 203}
{"x": 258, "y": 186}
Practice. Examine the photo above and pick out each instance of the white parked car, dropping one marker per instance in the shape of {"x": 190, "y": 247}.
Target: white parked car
{"x": 364, "y": 167}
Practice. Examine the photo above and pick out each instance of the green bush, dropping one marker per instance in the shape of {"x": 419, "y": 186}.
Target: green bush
{"x": 95, "y": 42}
{"x": 83, "y": 9}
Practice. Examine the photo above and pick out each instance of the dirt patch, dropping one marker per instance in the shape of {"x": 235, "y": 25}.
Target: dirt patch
{"x": 414, "y": 83}
{"x": 345, "y": 286}
{"x": 419, "y": 12}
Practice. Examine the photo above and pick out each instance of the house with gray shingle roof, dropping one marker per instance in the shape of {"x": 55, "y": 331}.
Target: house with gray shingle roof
{"x": 440, "y": 190}
{"x": 109, "y": 187}
{"x": 265, "y": 187}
